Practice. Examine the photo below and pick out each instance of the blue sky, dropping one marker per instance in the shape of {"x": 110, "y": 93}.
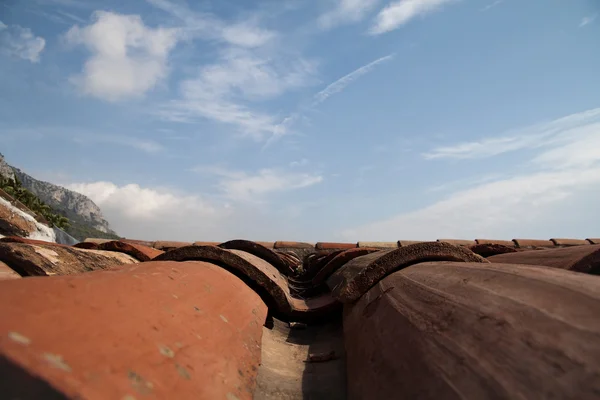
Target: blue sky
{"x": 311, "y": 120}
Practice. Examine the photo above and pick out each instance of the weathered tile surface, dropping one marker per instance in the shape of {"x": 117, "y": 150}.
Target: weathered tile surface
{"x": 161, "y": 330}
{"x": 444, "y": 330}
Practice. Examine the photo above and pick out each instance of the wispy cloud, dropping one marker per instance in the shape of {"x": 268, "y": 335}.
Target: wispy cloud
{"x": 340, "y": 84}
{"x": 145, "y": 145}
{"x": 346, "y": 11}
{"x": 563, "y": 171}
{"x": 19, "y": 42}
{"x": 587, "y": 20}
{"x": 540, "y": 135}
{"x": 492, "y": 5}
{"x": 205, "y": 25}
{"x": 251, "y": 67}
{"x": 226, "y": 91}
{"x": 128, "y": 58}
{"x": 285, "y": 126}
{"x": 400, "y": 12}
{"x": 243, "y": 186}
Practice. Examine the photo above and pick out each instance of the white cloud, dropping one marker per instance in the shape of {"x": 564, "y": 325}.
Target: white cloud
{"x": 344, "y": 81}
{"x": 146, "y": 145}
{"x": 300, "y": 163}
{"x": 502, "y": 209}
{"x": 226, "y": 91}
{"x": 400, "y": 12}
{"x": 492, "y": 5}
{"x": 557, "y": 194}
{"x": 154, "y": 213}
{"x": 149, "y": 213}
{"x": 346, "y": 11}
{"x": 243, "y": 186}
{"x": 135, "y": 202}
{"x": 205, "y": 25}
{"x": 540, "y": 135}
{"x": 16, "y": 41}
{"x": 587, "y": 20}
{"x": 128, "y": 58}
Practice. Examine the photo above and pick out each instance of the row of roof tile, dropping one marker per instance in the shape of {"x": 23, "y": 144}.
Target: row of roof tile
{"x": 421, "y": 291}
{"x": 516, "y": 243}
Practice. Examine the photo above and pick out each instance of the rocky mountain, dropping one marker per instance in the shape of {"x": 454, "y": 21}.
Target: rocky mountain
{"x": 85, "y": 217}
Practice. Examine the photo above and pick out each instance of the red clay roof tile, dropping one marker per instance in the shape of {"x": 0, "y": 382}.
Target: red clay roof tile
{"x": 166, "y": 245}
{"x": 261, "y": 252}
{"x": 404, "y": 243}
{"x": 533, "y": 243}
{"x": 292, "y": 245}
{"x": 146, "y": 243}
{"x": 32, "y": 260}
{"x": 458, "y": 242}
{"x": 575, "y": 258}
{"x": 527, "y": 325}
{"x": 507, "y": 243}
{"x": 98, "y": 240}
{"x": 338, "y": 261}
{"x": 268, "y": 245}
{"x": 17, "y": 239}
{"x": 87, "y": 245}
{"x": 7, "y": 272}
{"x": 593, "y": 241}
{"x": 379, "y": 245}
{"x": 352, "y": 280}
{"x": 206, "y": 243}
{"x": 188, "y": 330}
{"x": 487, "y": 250}
{"x": 569, "y": 242}
{"x": 137, "y": 251}
{"x": 334, "y": 246}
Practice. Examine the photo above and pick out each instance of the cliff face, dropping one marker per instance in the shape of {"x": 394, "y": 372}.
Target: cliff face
{"x": 85, "y": 217}
{"x": 74, "y": 206}
{"x": 5, "y": 169}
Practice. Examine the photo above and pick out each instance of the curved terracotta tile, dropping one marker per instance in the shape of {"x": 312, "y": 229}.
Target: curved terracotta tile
{"x": 445, "y": 330}
{"x": 262, "y": 276}
{"x": 351, "y": 281}
{"x": 98, "y": 240}
{"x": 154, "y": 330}
{"x": 458, "y": 242}
{"x": 137, "y": 251}
{"x": 569, "y": 242}
{"x": 292, "y": 245}
{"x": 87, "y": 245}
{"x": 378, "y": 245}
{"x": 291, "y": 259}
{"x": 593, "y": 241}
{"x": 313, "y": 307}
{"x": 334, "y": 246}
{"x": 533, "y": 243}
{"x": 404, "y": 243}
{"x": 576, "y": 258}
{"x": 338, "y": 261}
{"x": 43, "y": 260}
{"x": 316, "y": 261}
{"x": 146, "y": 243}
{"x": 488, "y": 249}
{"x": 260, "y": 251}
{"x": 507, "y": 243}
{"x": 169, "y": 245}
{"x": 7, "y": 272}
{"x": 18, "y": 239}
{"x": 206, "y": 243}
{"x": 268, "y": 245}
